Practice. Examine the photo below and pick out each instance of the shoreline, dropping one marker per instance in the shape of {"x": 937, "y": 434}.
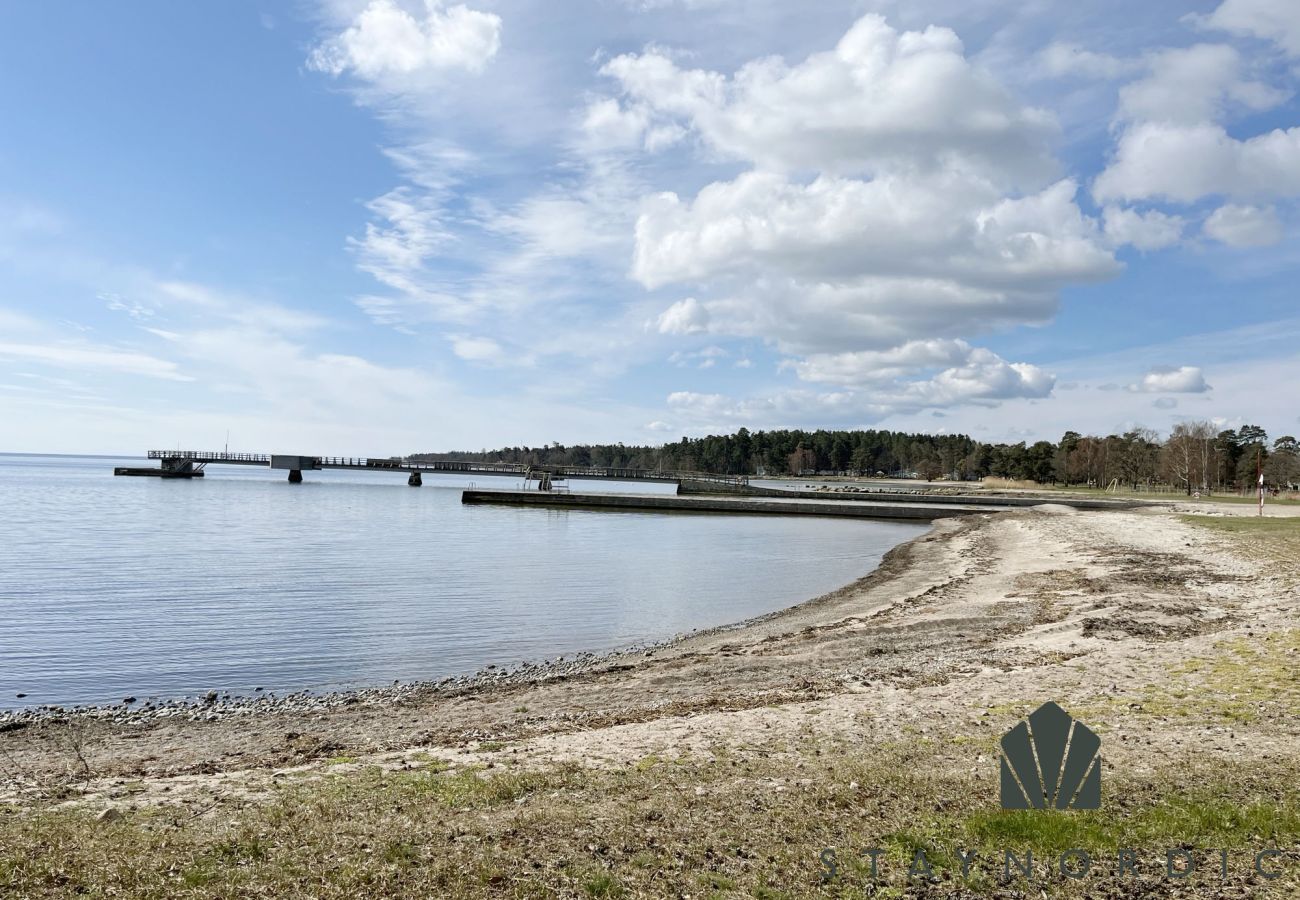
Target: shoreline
{"x": 965, "y": 621}
{"x": 491, "y": 676}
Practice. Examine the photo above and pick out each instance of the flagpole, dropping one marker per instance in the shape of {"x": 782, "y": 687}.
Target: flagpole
{"x": 1259, "y": 471}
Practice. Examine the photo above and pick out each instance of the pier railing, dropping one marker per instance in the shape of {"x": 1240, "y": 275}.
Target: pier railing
{"x": 407, "y": 464}
{"x": 210, "y": 456}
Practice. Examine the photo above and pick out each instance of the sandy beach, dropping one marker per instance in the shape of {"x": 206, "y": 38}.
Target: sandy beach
{"x": 1173, "y": 636}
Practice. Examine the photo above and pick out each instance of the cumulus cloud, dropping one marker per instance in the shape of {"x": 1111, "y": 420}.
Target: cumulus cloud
{"x": 1195, "y": 84}
{"x": 1149, "y": 230}
{"x": 870, "y": 366}
{"x": 684, "y": 317}
{"x": 841, "y": 261}
{"x": 1271, "y": 20}
{"x": 869, "y": 385}
{"x": 956, "y": 373}
{"x": 879, "y": 97}
{"x": 982, "y": 379}
{"x": 1170, "y": 380}
{"x": 898, "y": 200}
{"x": 386, "y": 40}
{"x": 1244, "y": 226}
{"x": 1184, "y": 163}
{"x": 1172, "y": 144}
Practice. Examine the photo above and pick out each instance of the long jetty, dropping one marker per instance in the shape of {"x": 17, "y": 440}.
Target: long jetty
{"x": 192, "y": 463}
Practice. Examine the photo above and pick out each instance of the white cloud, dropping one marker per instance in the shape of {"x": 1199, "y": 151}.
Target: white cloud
{"x": 606, "y": 124}
{"x": 867, "y": 366}
{"x": 386, "y": 40}
{"x": 960, "y": 374}
{"x": 408, "y": 230}
{"x": 1062, "y": 58}
{"x": 1170, "y": 380}
{"x": 1194, "y": 84}
{"x": 136, "y": 310}
{"x": 874, "y": 386}
{"x": 412, "y": 232}
{"x": 1172, "y": 142}
{"x": 477, "y": 349}
{"x": 881, "y": 97}
{"x": 684, "y": 317}
{"x": 1273, "y": 20}
{"x": 1244, "y": 226}
{"x": 705, "y": 358}
{"x": 840, "y": 262}
{"x": 984, "y": 378}
{"x": 1187, "y": 162}
{"x": 77, "y": 356}
{"x": 1149, "y": 230}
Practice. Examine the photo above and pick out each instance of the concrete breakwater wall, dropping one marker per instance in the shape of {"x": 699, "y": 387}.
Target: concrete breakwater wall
{"x": 665, "y": 503}
{"x": 960, "y": 499}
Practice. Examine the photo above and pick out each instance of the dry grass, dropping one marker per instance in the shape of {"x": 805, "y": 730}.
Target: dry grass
{"x": 1272, "y": 541}
{"x": 727, "y": 824}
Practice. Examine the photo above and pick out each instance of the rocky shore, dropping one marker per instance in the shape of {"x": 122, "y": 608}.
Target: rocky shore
{"x": 215, "y": 706}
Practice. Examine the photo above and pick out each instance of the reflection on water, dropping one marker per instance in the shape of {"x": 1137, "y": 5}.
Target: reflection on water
{"x": 122, "y": 586}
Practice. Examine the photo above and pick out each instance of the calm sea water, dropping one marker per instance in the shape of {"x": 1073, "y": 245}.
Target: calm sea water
{"x": 115, "y": 586}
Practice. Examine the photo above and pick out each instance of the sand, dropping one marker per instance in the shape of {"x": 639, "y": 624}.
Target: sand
{"x": 1118, "y": 616}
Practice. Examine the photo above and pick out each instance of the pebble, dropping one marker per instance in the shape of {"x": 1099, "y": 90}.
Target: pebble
{"x": 214, "y": 706}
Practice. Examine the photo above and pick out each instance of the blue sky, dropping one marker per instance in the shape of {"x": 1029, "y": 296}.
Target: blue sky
{"x": 394, "y": 225}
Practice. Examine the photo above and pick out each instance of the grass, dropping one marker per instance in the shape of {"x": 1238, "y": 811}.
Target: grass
{"x": 1280, "y": 529}
{"x": 1123, "y": 492}
{"x": 641, "y": 831}
{"x": 1274, "y": 540}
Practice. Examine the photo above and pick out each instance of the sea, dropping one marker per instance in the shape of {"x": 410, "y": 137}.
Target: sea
{"x": 114, "y": 587}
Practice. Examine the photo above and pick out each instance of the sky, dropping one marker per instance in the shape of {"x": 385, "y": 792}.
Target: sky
{"x": 367, "y": 227}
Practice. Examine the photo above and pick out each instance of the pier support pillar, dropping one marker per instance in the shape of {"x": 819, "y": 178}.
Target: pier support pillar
{"x": 295, "y": 476}
{"x": 415, "y": 480}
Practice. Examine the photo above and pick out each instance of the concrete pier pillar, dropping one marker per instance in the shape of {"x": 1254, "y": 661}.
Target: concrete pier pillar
{"x": 415, "y": 480}
{"x": 295, "y": 476}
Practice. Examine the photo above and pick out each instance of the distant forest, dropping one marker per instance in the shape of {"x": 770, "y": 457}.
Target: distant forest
{"x": 1195, "y": 457}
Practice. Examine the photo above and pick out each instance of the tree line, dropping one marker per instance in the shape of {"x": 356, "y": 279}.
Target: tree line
{"x": 1195, "y": 456}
